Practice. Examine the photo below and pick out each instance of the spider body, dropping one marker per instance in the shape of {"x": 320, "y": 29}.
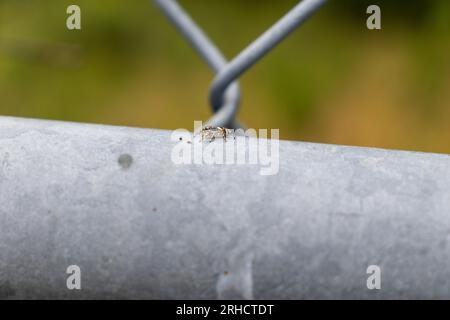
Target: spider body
{"x": 211, "y": 133}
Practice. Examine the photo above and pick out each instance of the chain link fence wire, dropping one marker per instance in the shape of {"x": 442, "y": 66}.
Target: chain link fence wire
{"x": 225, "y": 92}
{"x": 224, "y": 114}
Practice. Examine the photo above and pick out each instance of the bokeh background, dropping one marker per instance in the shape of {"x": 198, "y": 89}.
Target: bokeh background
{"x": 332, "y": 81}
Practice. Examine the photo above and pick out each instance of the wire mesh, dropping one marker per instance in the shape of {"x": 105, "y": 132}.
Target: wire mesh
{"x": 225, "y": 92}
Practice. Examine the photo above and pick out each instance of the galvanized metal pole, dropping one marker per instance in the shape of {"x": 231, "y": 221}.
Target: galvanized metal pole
{"x": 109, "y": 200}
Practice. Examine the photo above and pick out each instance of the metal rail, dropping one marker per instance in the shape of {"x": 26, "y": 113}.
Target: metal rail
{"x": 224, "y": 93}
{"x": 109, "y": 200}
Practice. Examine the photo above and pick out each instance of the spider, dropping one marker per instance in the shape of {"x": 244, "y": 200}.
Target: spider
{"x": 211, "y": 133}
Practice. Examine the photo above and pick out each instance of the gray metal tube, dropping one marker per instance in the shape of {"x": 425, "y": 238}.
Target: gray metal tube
{"x": 109, "y": 200}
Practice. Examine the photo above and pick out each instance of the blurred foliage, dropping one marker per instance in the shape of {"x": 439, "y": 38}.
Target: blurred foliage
{"x": 331, "y": 81}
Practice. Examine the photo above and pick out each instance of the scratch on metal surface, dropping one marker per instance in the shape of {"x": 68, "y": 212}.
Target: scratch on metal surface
{"x": 237, "y": 282}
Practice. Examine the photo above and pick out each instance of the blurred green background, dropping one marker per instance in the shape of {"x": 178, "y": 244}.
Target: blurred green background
{"x": 331, "y": 81}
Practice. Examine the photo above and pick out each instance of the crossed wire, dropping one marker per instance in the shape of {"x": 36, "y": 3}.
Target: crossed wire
{"x": 224, "y": 94}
